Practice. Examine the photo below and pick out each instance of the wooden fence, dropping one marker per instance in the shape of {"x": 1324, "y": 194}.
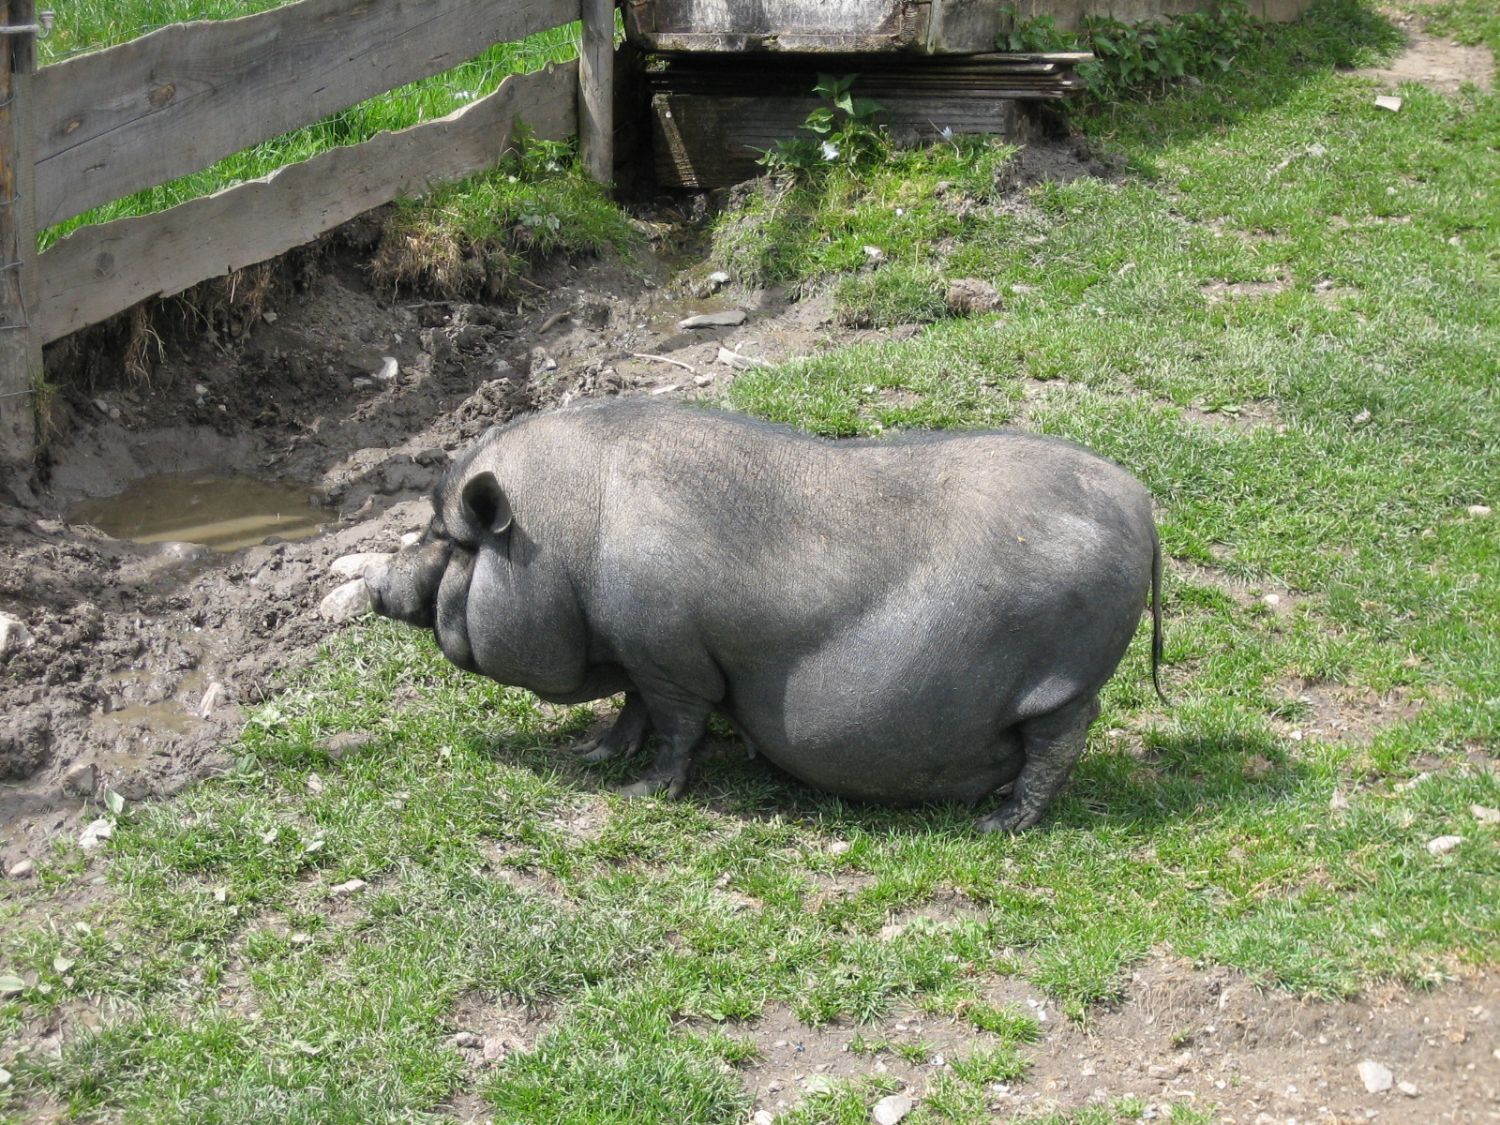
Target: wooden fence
{"x": 104, "y": 125}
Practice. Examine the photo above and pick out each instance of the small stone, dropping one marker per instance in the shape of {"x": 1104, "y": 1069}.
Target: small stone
{"x": 702, "y": 380}
{"x": 1163, "y": 1072}
{"x": 1408, "y": 1088}
{"x": 729, "y": 318}
{"x": 874, "y": 254}
{"x": 839, "y": 847}
{"x": 21, "y": 870}
{"x": 347, "y": 602}
{"x": 1478, "y": 511}
{"x": 1484, "y": 814}
{"x": 14, "y": 636}
{"x": 1376, "y": 1078}
{"x": 762, "y": 1117}
{"x": 738, "y": 360}
{"x": 968, "y": 295}
{"x": 345, "y": 742}
{"x": 468, "y": 1041}
{"x": 1442, "y": 845}
{"x": 269, "y": 316}
{"x": 411, "y": 539}
{"x": 1272, "y": 600}
{"x": 362, "y": 383}
{"x": 212, "y": 697}
{"x": 344, "y": 890}
{"x": 1387, "y": 101}
{"x": 95, "y": 834}
{"x": 1362, "y": 417}
{"x": 81, "y": 780}
{"x": 314, "y": 784}
{"x": 1316, "y": 150}
{"x": 389, "y": 369}
{"x": 358, "y": 565}
{"x": 891, "y": 1109}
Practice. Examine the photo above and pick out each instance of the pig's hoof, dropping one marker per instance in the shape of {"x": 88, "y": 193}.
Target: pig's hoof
{"x": 645, "y": 787}
{"x": 654, "y": 786}
{"x": 1010, "y": 817}
{"x": 596, "y": 750}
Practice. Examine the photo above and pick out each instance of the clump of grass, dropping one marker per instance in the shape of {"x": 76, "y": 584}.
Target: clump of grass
{"x": 470, "y": 237}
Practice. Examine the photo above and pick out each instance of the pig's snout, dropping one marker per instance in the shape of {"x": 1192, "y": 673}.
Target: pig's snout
{"x": 406, "y": 587}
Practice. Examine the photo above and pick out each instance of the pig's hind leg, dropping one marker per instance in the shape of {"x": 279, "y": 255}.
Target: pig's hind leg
{"x": 626, "y": 737}
{"x": 1052, "y": 743}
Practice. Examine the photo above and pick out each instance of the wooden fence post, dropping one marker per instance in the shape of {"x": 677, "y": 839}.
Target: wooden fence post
{"x": 20, "y": 346}
{"x": 596, "y": 64}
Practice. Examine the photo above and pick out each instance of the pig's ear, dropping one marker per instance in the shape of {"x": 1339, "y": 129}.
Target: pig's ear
{"x": 485, "y": 504}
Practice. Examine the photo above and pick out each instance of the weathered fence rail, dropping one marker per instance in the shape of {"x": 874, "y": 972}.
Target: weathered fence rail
{"x": 105, "y": 125}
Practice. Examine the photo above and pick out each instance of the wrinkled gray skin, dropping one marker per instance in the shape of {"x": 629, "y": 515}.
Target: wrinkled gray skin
{"x": 928, "y": 618}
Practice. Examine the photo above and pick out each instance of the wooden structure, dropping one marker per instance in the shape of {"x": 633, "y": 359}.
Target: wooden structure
{"x": 737, "y": 75}
{"x": 104, "y": 125}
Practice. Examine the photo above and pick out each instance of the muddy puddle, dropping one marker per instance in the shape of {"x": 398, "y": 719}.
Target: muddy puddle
{"x": 222, "y": 513}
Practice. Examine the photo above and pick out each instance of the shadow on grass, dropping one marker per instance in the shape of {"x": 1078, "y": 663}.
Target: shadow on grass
{"x": 1332, "y": 35}
{"x": 1180, "y": 775}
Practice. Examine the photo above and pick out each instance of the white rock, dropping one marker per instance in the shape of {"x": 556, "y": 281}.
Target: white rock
{"x": 1484, "y": 814}
{"x": 352, "y": 887}
{"x": 212, "y": 697}
{"x": 411, "y": 539}
{"x": 891, "y": 1109}
{"x": 1442, "y": 845}
{"x": 762, "y": 1117}
{"x": 358, "y": 565}
{"x": 1386, "y": 101}
{"x": 729, "y": 318}
{"x": 468, "y": 1040}
{"x": 666, "y": 390}
{"x": 1377, "y": 1078}
{"x": 1408, "y": 1088}
{"x": 738, "y": 360}
{"x": 1272, "y": 600}
{"x": 95, "y": 834}
{"x": 348, "y": 601}
{"x": 839, "y": 847}
{"x": 702, "y": 380}
{"x": 21, "y": 870}
{"x": 874, "y": 253}
{"x": 389, "y": 369}
{"x": 1478, "y": 511}
{"x": 14, "y": 636}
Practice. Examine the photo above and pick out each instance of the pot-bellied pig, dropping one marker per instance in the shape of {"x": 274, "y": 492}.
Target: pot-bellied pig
{"x": 921, "y": 618}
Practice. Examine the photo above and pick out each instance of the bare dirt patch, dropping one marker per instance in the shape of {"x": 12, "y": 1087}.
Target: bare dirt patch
{"x": 1333, "y": 712}
{"x": 1219, "y": 291}
{"x": 1439, "y": 64}
{"x": 1214, "y": 1040}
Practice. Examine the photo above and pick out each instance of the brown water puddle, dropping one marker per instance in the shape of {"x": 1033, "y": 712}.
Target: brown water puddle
{"x": 223, "y": 513}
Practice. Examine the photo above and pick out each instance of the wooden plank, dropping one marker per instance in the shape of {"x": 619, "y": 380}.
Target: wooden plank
{"x": 100, "y": 271}
{"x": 706, "y": 141}
{"x": 178, "y": 99}
{"x": 20, "y": 343}
{"x": 596, "y": 63}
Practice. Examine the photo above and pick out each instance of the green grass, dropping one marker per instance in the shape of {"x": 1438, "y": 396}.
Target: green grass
{"x": 1321, "y": 438}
